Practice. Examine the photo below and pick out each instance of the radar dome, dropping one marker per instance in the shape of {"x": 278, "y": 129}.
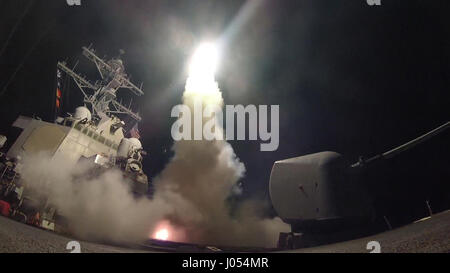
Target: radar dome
{"x": 82, "y": 113}
{"x": 136, "y": 143}
{"x": 127, "y": 145}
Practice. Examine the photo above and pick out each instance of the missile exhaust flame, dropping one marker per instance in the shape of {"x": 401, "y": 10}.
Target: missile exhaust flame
{"x": 162, "y": 234}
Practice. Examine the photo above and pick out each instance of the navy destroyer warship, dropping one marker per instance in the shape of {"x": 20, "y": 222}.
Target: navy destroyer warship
{"x": 94, "y": 132}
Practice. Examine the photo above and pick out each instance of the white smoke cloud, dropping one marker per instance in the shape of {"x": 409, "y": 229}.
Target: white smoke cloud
{"x": 98, "y": 207}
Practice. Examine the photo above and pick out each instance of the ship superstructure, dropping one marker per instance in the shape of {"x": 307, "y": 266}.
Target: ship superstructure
{"x": 95, "y": 132}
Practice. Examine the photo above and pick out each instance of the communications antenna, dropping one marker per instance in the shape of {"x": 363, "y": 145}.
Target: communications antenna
{"x": 100, "y": 96}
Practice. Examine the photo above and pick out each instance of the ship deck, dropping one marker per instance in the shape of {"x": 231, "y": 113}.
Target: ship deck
{"x": 425, "y": 235}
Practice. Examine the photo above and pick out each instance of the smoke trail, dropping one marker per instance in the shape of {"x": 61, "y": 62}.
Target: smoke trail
{"x": 204, "y": 173}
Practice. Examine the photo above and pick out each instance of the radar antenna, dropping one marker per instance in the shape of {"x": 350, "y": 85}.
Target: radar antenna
{"x": 101, "y": 95}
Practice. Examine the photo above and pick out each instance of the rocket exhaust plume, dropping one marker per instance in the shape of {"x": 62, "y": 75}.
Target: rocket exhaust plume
{"x": 189, "y": 203}
{"x": 204, "y": 173}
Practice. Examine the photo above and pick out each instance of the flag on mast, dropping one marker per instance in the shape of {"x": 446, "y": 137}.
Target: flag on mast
{"x": 58, "y": 94}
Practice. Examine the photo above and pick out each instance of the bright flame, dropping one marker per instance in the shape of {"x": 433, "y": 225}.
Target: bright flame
{"x": 204, "y": 62}
{"x": 162, "y": 234}
{"x": 202, "y": 69}
{"x": 164, "y": 231}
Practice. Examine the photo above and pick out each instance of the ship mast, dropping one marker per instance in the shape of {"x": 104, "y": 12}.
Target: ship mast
{"x": 100, "y": 96}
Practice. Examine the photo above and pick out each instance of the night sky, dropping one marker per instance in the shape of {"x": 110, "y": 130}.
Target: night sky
{"x": 349, "y": 77}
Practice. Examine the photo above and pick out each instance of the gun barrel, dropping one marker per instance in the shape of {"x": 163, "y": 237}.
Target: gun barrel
{"x": 408, "y": 145}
